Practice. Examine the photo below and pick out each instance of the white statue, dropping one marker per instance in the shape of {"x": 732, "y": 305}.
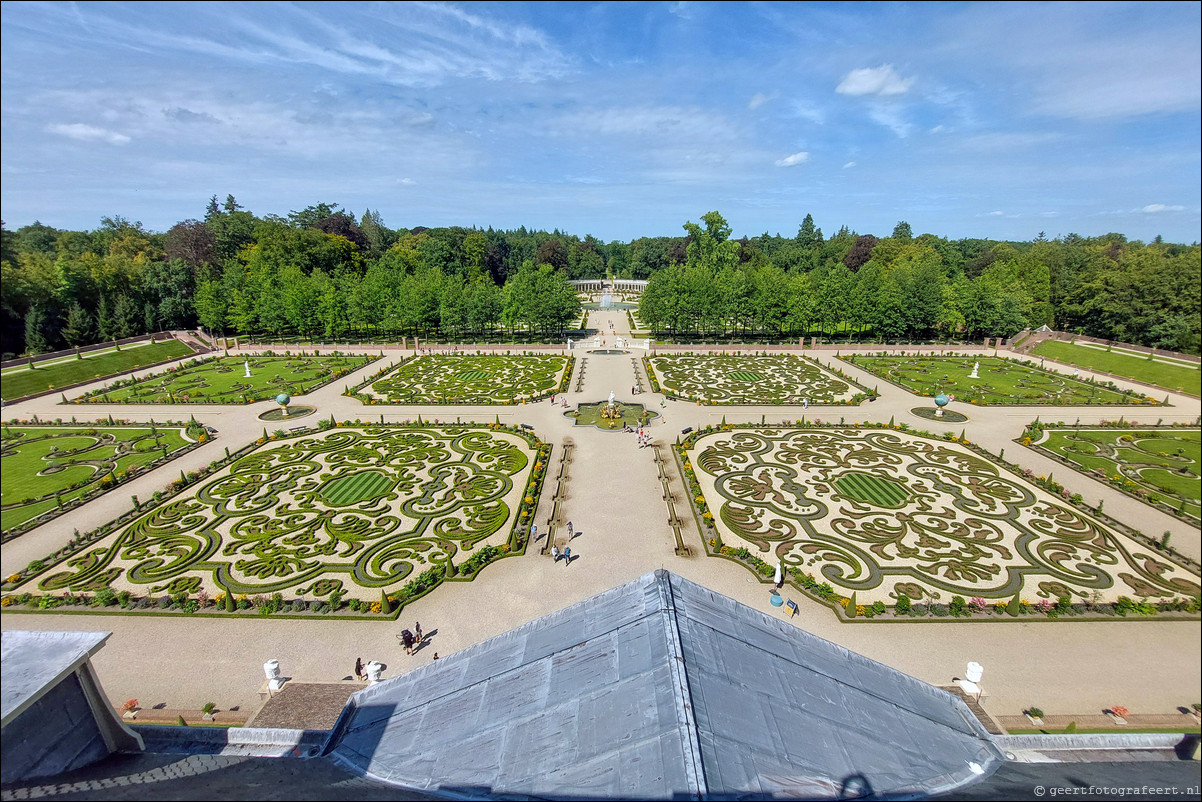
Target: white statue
{"x": 611, "y": 398}
{"x": 246, "y": 364}
{"x": 975, "y": 367}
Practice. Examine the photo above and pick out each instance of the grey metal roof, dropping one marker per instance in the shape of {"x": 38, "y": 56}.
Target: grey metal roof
{"x": 661, "y": 689}
{"x": 32, "y": 662}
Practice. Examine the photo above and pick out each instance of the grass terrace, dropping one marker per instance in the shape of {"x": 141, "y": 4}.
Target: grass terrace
{"x": 22, "y": 381}
{"x": 1170, "y": 375}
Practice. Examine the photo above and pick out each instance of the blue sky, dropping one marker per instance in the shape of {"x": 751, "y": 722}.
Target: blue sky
{"x": 621, "y": 120}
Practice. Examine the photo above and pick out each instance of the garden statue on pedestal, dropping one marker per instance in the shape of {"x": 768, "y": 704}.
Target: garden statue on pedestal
{"x": 975, "y": 367}
{"x": 940, "y": 402}
{"x": 283, "y": 399}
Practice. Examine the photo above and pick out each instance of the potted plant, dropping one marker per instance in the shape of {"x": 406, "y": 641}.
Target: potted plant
{"x": 129, "y": 709}
{"x": 1034, "y": 715}
{"x": 1118, "y": 714}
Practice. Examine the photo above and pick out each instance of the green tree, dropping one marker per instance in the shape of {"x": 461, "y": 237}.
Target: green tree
{"x": 212, "y": 306}
{"x": 35, "y": 332}
{"x": 78, "y": 329}
{"x": 125, "y": 318}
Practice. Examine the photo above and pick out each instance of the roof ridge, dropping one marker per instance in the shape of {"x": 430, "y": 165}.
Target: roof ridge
{"x": 681, "y": 694}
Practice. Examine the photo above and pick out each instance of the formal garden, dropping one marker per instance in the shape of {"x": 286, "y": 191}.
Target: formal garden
{"x": 460, "y": 378}
{"x": 49, "y": 469}
{"x": 34, "y": 378}
{"x": 750, "y": 379}
{"x": 1159, "y": 465}
{"x": 876, "y": 520}
{"x": 998, "y": 381}
{"x": 231, "y": 380}
{"x": 366, "y": 518}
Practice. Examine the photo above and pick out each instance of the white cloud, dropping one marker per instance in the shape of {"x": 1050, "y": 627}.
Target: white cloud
{"x": 660, "y": 123}
{"x": 891, "y": 118}
{"x": 757, "y": 100}
{"x": 801, "y": 157}
{"x": 88, "y": 133}
{"x": 406, "y": 181}
{"x": 1093, "y": 61}
{"x": 849, "y": 164}
{"x": 880, "y": 80}
{"x": 809, "y": 112}
{"x": 996, "y": 213}
{"x": 1153, "y": 208}
{"x": 681, "y": 9}
{"x": 936, "y": 129}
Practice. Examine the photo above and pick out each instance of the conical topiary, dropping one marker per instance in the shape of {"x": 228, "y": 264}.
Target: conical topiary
{"x": 1014, "y": 607}
{"x": 385, "y": 603}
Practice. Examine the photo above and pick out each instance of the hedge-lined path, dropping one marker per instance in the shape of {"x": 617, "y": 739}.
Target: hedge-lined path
{"x": 615, "y": 500}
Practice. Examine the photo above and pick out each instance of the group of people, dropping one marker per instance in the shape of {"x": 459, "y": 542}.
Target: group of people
{"x": 644, "y": 438}
{"x": 412, "y": 641}
{"x": 566, "y": 554}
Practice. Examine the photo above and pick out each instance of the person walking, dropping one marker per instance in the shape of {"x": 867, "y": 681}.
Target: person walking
{"x": 533, "y": 531}
{"x": 567, "y": 555}
{"x": 570, "y": 533}
{"x": 359, "y": 674}
{"x": 417, "y": 631}
{"x": 407, "y": 641}
{"x": 555, "y": 553}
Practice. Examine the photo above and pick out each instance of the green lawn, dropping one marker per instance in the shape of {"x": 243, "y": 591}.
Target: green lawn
{"x": 1140, "y": 369}
{"x": 39, "y": 463}
{"x": 20, "y": 382}
{"x": 223, "y": 380}
{"x": 1000, "y": 381}
{"x": 1157, "y": 465}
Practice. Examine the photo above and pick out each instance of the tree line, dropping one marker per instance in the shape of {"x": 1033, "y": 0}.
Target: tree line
{"x": 322, "y": 272}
